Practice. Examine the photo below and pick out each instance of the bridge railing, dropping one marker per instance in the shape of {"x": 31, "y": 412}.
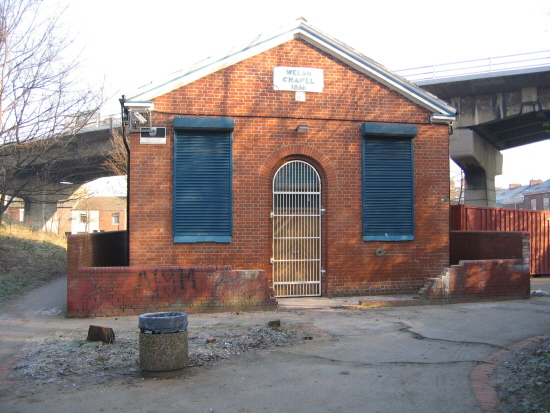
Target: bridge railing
{"x": 477, "y": 66}
{"x": 101, "y": 121}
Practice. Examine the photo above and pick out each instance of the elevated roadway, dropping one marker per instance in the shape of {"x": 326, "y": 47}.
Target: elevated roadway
{"x": 502, "y": 103}
{"x": 61, "y": 170}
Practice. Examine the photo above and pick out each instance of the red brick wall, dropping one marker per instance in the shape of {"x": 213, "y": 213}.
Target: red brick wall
{"x": 99, "y": 249}
{"x": 527, "y": 198}
{"x": 264, "y": 138}
{"x": 112, "y": 291}
{"x": 115, "y": 291}
{"x": 106, "y": 220}
{"x": 14, "y": 213}
{"x": 488, "y": 245}
{"x": 484, "y": 278}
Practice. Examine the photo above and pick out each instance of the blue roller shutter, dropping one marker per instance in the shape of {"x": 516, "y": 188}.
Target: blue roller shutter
{"x": 388, "y": 182}
{"x": 202, "y": 180}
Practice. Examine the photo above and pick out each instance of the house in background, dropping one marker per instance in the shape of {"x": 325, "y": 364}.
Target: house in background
{"x": 16, "y": 211}
{"x": 298, "y": 156}
{"x": 59, "y": 223}
{"x": 537, "y": 197}
{"x": 511, "y": 197}
{"x": 534, "y": 196}
{"x": 82, "y": 215}
{"x": 98, "y": 214}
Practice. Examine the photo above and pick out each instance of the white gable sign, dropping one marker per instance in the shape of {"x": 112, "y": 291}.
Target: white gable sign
{"x": 298, "y": 79}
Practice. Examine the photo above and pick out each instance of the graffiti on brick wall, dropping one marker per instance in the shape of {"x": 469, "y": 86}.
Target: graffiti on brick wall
{"x": 100, "y": 288}
{"x": 171, "y": 279}
{"x": 140, "y": 289}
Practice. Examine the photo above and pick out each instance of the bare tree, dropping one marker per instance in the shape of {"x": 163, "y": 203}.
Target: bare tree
{"x": 42, "y": 106}
{"x": 117, "y": 160}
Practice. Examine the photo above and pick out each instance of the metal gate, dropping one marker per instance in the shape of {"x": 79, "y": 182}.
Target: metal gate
{"x": 296, "y": 230}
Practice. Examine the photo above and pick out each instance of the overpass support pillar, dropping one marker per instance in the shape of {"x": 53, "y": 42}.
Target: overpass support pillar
{"x": 41, "y": 206}
{"x": 481, "y": 162}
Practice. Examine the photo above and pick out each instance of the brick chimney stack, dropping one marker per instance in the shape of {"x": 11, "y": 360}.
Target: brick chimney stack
{"x": 534, "y": 182}
{"x": 512, "y": 186}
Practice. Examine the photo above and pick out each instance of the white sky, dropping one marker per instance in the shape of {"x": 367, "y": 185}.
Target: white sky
{"x": 128, "y": 43}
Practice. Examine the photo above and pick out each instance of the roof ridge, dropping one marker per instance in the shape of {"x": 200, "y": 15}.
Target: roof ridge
{"x": 301, "y": 29}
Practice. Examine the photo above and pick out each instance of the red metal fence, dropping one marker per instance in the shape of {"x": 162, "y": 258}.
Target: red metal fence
{"x": 537, "y": 223}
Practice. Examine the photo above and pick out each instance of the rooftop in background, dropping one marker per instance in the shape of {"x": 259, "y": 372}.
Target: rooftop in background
{"x": 512, "y": 193}
{"x": 515, "y": 193}
{"x": 101, "y": 203}
{"x": 542, "y": 187}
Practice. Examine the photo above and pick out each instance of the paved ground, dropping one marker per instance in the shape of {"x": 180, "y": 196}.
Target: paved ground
{"x": 405, "y": 359}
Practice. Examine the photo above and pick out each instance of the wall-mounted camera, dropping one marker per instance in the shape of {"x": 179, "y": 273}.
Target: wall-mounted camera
{"x": 139, "y": 117}
{"x": 138, "y": 114}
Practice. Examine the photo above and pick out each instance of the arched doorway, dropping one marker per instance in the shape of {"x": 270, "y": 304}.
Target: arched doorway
{"x": 296, "y": 217}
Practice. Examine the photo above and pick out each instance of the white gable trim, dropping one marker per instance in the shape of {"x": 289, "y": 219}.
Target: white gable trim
{"x": 209, "y": 66}
{"x": 379, "y": 73}
{"x": 316, "y": 38}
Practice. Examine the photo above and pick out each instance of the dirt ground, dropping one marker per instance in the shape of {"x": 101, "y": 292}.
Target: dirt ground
{"x": 67, "y": 359}
{"x": 414, "y": 359}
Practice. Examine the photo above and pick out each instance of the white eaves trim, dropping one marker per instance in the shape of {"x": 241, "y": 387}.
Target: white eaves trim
{"x": 444, "y": 112}
{"x": 207, "y": 67}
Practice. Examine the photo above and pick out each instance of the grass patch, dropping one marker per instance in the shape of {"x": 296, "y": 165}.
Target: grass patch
{"x": 522, "y": 379}
{"x": 29, "y": 259}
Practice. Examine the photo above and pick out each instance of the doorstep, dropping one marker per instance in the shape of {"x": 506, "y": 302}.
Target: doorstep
{"x": 375, "y": 301}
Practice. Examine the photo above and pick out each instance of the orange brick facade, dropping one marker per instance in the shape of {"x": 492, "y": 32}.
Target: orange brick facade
{"x": 264, "y": 138}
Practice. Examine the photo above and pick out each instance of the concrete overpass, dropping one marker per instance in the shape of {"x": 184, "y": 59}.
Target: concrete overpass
{"x": 502, "y": 103}
{"x": 60, "y": 171}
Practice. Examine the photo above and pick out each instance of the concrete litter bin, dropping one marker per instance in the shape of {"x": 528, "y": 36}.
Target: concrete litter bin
{"x": 163, "y": 342}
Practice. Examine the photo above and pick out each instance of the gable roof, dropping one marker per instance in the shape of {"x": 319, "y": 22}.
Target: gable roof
{"x": 441, "y": 111}
{"x": 539, "y": 188}
{"x": 510, "y": 195}
{"x": 101, "y": 203}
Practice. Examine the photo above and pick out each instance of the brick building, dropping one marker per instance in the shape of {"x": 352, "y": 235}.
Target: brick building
{"x": 98, "y": 213}
{"x": 535, "y": 196}
{"x": 298, "y": 156}
{"x": 16, "y": 211}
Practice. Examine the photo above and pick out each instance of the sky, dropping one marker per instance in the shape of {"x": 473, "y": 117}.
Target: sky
{"x": 125, "y": 44}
